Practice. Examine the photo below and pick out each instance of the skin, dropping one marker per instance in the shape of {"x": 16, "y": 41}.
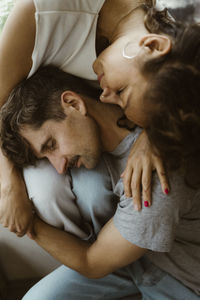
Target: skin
{"x": 111, "y": 251}
{"x": 16, "y": 47}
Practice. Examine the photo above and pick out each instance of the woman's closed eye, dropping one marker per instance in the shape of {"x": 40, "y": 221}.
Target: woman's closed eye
{"x": 118, "y": 93}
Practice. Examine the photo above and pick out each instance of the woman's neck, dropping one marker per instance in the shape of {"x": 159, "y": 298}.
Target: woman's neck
{"x": 111, "y": 15}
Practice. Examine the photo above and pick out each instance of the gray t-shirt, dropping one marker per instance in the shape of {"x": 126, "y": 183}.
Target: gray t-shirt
{"x": 170, "y": 228}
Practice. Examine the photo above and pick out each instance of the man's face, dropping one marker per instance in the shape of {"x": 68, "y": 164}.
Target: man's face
{"x": 72, "y": 142}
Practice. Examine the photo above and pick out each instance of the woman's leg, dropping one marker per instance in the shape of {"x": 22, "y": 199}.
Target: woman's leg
{"x": 92, "y": 200}
{"x": 155, "y": 283}
{"x": 65, "y": 283}
{"x": 53, "y": 198}
{"x": 95, "y": 197}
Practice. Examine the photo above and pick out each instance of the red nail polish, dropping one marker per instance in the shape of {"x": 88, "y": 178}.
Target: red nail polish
{"x": 146, "y": 203}
{"x": 166, "y": 191}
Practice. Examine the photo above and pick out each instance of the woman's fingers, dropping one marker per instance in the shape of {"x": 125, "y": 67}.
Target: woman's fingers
{"x": 146, "y": 184}
{"x": 136, "y": 188}
{"x": 127, "y": 176}
{"x": 162, "y": 175}
{"x": 138, "y": 174}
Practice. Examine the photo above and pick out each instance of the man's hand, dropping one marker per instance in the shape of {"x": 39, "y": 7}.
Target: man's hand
{"x": 141, "y": 162}
{"x": 16, "y": 210}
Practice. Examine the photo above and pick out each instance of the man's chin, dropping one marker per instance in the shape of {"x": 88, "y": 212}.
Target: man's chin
{"x": 91, "y": 162}
{"x": 90, "y": 166}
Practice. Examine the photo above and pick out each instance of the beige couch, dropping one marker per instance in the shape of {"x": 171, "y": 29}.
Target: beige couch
{"x": 22, "y": 263}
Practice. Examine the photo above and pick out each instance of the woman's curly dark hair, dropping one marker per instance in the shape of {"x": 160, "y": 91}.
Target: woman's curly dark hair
{"x": 174, "y": 95}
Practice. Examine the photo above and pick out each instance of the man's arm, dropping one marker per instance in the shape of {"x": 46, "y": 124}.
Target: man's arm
{"x": 108, "y": 253}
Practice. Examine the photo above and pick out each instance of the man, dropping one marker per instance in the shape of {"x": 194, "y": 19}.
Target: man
{"x": 160, "y": 246}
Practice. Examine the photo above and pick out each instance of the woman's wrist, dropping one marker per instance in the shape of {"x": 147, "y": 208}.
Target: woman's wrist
{"x": 7, "y": 168}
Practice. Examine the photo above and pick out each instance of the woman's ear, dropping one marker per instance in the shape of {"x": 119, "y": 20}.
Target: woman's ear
{"x": 71, "y": 101}
{"x": 156, "y": 45}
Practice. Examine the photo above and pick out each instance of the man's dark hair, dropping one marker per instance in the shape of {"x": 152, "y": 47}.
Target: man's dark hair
{"x": 34, "y": 101}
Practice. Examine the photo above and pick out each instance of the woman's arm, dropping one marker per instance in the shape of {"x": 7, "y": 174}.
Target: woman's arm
{"x": 15, "y": 206}
{"x": 16, "y": 46}
{"x": 108, "y": 253}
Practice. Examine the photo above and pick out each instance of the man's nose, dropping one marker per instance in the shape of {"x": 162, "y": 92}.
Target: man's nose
{"x": 59, "y": 163}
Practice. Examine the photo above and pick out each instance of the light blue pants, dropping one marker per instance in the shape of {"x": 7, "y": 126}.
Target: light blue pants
{"x": 65, "y": 283}
{"x": 55, "y": 202}
{"x": 96, "y": 204}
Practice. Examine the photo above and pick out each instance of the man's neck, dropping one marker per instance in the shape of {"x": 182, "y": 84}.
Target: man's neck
{"x": 106, "y": 116}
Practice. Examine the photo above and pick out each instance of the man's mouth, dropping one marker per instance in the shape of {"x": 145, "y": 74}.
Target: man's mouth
{"x": 74, "y": 162}
{"x": 78, "y": 163}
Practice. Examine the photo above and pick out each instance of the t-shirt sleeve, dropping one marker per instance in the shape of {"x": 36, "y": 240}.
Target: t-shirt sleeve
{"x": 153, "y": 227}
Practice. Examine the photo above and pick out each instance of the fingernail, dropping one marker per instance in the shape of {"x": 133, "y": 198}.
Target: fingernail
{"x": 136, "y": 207}
{"x": 146, "y": 203}
{"x": 166, "y": 191}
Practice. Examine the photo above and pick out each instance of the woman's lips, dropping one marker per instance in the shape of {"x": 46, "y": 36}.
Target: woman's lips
{"x": 100, "y": 77}
{"x": 102, "y": 81}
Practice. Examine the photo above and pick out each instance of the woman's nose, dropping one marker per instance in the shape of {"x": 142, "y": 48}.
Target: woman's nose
{"x": 109, "y": 96}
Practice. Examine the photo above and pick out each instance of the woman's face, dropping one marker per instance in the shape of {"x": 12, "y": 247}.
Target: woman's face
{"x": 118, "y": 70}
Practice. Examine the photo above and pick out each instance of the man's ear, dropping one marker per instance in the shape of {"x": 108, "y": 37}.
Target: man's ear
{"x": 71, "y": 101}
{"x": 156, "y": 45}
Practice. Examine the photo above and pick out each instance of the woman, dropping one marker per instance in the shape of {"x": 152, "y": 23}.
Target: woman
{"x": 36, "y": 33}
{"x": 168, "y": 83}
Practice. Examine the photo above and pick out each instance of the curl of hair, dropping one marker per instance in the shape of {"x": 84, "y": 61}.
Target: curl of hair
{"x": 160, "y": 21}
{"x": 173, "y": 95}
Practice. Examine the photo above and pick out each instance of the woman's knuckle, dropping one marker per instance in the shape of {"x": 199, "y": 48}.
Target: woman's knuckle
{"x": 135, "y": 185}
{"x": 12, "y": 228}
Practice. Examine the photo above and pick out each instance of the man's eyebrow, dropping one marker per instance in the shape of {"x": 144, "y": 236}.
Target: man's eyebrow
{"x": 44, "y": 144}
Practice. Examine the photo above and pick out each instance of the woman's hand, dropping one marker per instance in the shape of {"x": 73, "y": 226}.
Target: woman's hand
{"x": 141, "y": 162}
{"x": 16, "y": 210}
